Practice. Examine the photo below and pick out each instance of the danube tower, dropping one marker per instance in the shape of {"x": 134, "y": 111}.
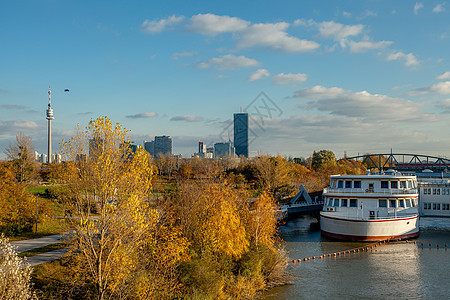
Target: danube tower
{"x": 49, "y": 118}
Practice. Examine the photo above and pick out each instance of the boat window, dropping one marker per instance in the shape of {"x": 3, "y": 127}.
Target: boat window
{"x": 353, "y": 202}
{"x": 330, "y": 202}
{"x": 348, "y": 184}
{"x": 344, "y": 202}
{"x": 403, "y": 184}
{"x": 408, "y": 184}
{"x": 336, "y": 202}
{"x": 436, "y": 206}
{"x": 413, "y": 202}
{"x": 401, "y": 203}
{"x": 340, "y": 184}
{"x": 394, "y": 184}
{"x": 425, "y": 191}
{"x": 445, "y": 206}
{"x": 382, "y": 203}
{"x": 392, "y": 203}
{"x": 408, "y": 203}
{"x": 385, "y": 184}
{"x": 357, "y": 184}
{"x": 427, "y": 206}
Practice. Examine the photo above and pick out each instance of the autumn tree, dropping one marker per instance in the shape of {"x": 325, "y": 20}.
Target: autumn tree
{"x": 113, "y": 220}
{"x": 17, "y": 206}
{"x": 321, "y": 158}
{"x": 21, "y": 153}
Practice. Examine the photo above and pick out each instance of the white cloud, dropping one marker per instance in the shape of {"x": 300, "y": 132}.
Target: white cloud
{"x": 160, "y": 25}
{"x": 442, "y": 88}
{"x": 274, "y": 36}
{"x": 229, "y": 62}
{"x": 408, "y": 59}
{"x": 289, "y": 78}
{"x": 439, "y": 8}
{"x": 258, "y": 74}
{"x": 446, "y": 75}
{"x": 14, "y": 126}
{"x": 143, "y": 115}
{"x": 346, "y": 14}
{"x": 417, "y": 6}
{"x": 366, "y": 45}
{"x": 338, "y": 31}
{"x": 187, "y": 118}
{"x": 319, "y": 92}
{"x": 362, "y": 105}
{"x": 210, "y": 24}
{"x": 176, "y": 56}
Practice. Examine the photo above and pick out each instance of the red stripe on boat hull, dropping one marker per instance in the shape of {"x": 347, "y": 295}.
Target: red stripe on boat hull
{"x": 369, "y": 238}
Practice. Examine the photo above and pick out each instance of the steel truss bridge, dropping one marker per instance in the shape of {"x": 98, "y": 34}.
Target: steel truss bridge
{"x": 404, "y": 162}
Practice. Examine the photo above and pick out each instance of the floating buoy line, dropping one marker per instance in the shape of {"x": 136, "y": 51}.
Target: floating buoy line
{"x": 369, "y": 248}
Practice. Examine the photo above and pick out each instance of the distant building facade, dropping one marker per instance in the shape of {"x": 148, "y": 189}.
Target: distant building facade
{"x": 162, "y": 145}
{"x": 223, "y": 149}
{"x": 241, "y": 134}
{"x": 150, "y": 147}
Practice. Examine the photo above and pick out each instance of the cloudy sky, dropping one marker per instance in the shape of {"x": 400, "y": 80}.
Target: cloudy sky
{"x": 348, "y": 76}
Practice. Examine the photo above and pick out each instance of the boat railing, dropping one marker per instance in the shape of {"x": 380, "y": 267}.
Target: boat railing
{"x": 372, "y": 191}
{"x": 368, "y": 218}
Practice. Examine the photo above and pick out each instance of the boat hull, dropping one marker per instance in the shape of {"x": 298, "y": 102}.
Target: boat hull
{"x": 369, "y": 230}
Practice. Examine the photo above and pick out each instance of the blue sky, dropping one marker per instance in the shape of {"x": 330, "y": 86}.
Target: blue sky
{"x": 353, "y": 76}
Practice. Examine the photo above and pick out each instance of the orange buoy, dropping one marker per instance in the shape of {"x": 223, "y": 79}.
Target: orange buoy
{"x": 437, "y": 245}
{"x": 445, "y": 245}
{"x": 313, "y": 257}
{"x": 299, "y": 260}
{"x": 293, "y": 261}
{"x": 429, "y": 244}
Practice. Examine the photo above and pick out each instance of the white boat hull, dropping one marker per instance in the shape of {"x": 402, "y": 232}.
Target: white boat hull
{"x": 369, "y": 230}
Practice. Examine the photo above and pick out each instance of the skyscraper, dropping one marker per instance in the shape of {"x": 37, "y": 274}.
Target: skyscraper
{"x": 150, "y": 147}
{"x": 241, "y": 134}
{"x": 163, "y": 145}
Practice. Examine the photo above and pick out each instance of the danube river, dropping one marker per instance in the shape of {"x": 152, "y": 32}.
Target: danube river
{"x": 397, "y": 270}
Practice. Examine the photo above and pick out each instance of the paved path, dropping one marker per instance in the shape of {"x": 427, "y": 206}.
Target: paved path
{"x": 27, "y": 245}
{"x": 46, "y": 257}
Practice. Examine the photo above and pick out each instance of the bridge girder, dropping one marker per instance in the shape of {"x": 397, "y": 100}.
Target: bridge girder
{"x": 413, "y": 162}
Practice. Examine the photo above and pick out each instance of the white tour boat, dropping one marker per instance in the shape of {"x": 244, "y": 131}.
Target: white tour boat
{"x": 371, "y": 207}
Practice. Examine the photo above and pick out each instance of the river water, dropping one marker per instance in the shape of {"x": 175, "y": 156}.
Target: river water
{"x": 397, "y": 270}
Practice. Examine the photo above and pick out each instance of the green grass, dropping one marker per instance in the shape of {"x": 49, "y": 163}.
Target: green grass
{"x": 40, "y": 250}
{"x": 48, "y": 226}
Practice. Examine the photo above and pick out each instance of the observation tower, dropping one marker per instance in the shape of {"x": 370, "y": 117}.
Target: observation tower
{"x": 49, "y": 118}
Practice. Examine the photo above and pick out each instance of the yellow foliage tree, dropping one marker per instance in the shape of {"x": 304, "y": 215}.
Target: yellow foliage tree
{"x": 17, "y": 207}
{"x": 109, "y": 200}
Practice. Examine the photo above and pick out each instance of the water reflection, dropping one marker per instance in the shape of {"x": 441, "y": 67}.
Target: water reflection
{"x": 396, "y": 270}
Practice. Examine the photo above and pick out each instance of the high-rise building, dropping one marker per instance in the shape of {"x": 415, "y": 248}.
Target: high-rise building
{"x": 162, "y": 145}
{"x": 150, "y": 147}
{"x": 223, "y": 149}
{"x": 241, "y": 134}
{"x": 201, "y": 147}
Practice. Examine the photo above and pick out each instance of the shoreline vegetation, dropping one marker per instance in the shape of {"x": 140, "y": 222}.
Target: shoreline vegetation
{"x": 162, "y": 228}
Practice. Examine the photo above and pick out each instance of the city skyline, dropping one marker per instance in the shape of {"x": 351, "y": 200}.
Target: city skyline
{"x": 354, "y": 77}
